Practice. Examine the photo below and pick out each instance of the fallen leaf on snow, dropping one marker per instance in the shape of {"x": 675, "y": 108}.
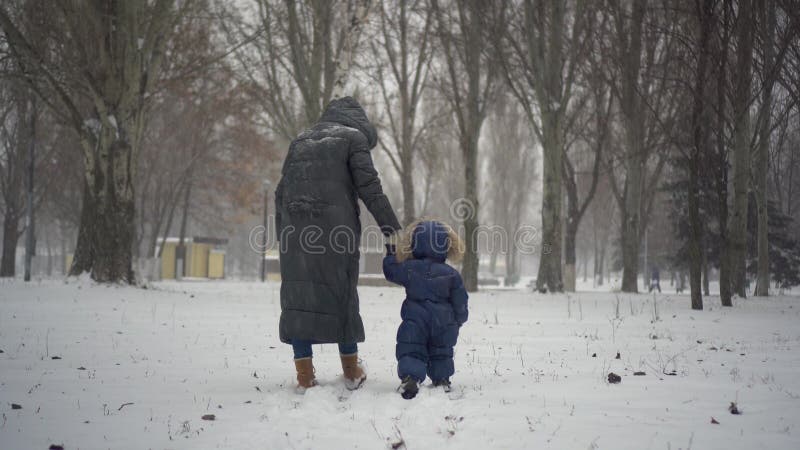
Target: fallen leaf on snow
{"x": 714, "y": 421}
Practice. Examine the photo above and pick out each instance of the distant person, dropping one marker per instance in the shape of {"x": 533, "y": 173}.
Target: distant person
{"x": 655, "y": 280}
{"x": 435, "y": 307}
{"x": 327, "y": 170}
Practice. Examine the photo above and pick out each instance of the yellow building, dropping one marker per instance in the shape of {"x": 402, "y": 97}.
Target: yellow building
{"x": 205, "y": 258}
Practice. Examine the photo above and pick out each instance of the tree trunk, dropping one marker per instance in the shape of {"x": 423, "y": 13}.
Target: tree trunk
{"x": 635, "y": 153}
{"x": 601, "y": 259}
{"x": 742, "y": 81}
{"x": 725, "y": 293}
{"x": 30, "y": 223}
{"x": 180, "y": 250}
{"x": 631, "y": 210}
{"x": 700, "y": 147}
{"x": 167, "y": 229}
{"x": 630, "y": 251}
{"x": 549, "y": 276}
{"x": 695, "y": 238}
{"x": 469, "y": 269}
{"x": 585, "y": 267}
{"x": 106, "y": 232}
{"x": 762, "y": 157}
{"x": 720, "y": 165}
{"x": 512, "y": 266}
{"x": 706, "y": 290}
{"x": 570, "y": 235}
{"x": 10, "y": 241}
{"x": 407, "y": 182}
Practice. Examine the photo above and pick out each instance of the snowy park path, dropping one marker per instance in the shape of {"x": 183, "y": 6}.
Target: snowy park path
{"x": 114, "y": 367}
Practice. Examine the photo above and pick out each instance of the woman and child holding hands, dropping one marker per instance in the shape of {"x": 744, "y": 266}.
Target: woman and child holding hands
{"x": 327, "y": 169}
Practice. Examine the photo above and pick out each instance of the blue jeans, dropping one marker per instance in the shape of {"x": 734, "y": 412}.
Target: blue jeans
{"x": 302, "y": 349}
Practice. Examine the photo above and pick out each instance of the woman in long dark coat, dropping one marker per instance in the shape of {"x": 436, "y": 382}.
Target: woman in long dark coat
{"x": 328, "y": 168}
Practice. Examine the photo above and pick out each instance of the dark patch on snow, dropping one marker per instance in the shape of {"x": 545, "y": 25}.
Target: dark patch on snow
{"x": 15, "y": 406}
{"x": 734, "y": 409}
{"x": 209, "y": 417}
{"x": 639, "y": 374}
{"x": 614, "y": 378}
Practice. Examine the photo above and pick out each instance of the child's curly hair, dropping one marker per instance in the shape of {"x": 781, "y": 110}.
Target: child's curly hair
{"x": 455, "y": 250}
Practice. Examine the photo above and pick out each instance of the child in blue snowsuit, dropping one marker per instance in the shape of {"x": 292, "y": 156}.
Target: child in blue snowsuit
{"x": 435, "y": 305}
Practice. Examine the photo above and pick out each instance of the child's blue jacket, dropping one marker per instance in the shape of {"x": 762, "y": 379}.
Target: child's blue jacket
{"x": 428, "y": 280}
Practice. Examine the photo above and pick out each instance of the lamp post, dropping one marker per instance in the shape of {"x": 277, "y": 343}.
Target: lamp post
{"x": 264, "y": 239}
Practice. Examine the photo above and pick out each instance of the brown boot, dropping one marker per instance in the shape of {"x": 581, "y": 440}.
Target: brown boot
{"x": 354, "y": 375}
{"x": 305, "y": 374}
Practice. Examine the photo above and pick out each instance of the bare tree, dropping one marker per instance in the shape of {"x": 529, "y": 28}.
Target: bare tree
{"x": 774, "y": 44}
{"x": 468, "y": 81}
{"x": 102, "y": 90}
{"x": 403, "y": 43}
{"x": 542, "y": 46}
{"x": 14, "y": 137}
{"x": 589, "y": 130}
{"x": 640, "y": 52}
{"x": 300, "y": 56}
{"x": 702, "y": 28}
{"x": 742, "y": 78}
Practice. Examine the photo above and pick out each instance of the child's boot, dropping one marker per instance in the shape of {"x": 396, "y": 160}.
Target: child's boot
{"x": 444, "y": 383}
{"x": 305, "y": 374}
{"x": 354, "y": 375}
{"x": 408, "y": 388}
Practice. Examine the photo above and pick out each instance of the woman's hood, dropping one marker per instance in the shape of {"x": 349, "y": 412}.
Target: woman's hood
{"x": 348, "y": 112}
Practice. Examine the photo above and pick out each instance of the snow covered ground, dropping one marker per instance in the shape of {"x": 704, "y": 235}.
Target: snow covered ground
{"x": 139, "y": 368}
